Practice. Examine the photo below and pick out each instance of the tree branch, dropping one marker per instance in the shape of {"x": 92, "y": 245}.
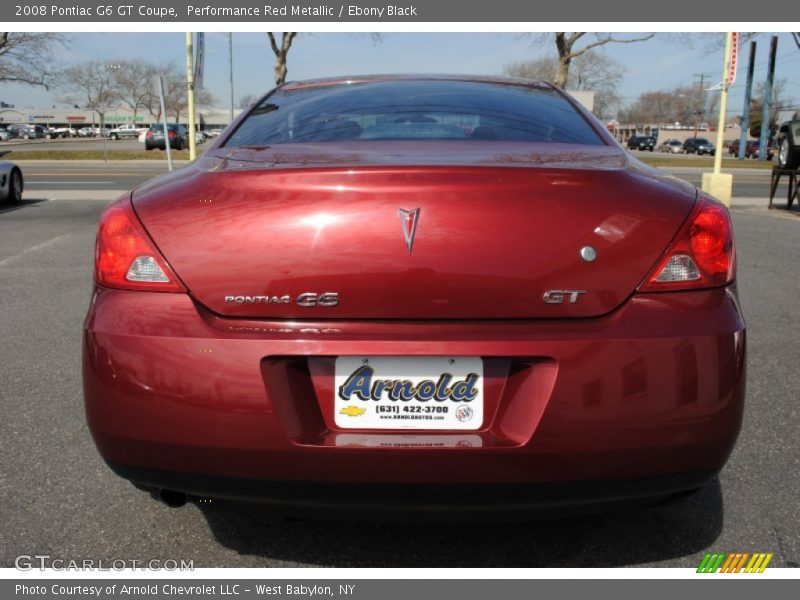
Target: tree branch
{"x": 272, "y": 43}
{"x": 610, "y": 39}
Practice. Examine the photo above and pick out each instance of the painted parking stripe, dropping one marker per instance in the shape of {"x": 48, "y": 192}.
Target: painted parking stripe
{"x": 35, "y": 248}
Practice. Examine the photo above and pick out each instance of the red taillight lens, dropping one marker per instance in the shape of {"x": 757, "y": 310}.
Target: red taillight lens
{"x": 701, "y": 256}
{"x": 149, "y": 134}
{"x": 125, "y": 256}
{"x": 172, "y": 134}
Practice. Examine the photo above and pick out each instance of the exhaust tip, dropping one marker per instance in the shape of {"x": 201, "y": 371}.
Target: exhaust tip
{"x": 172, "y": 498}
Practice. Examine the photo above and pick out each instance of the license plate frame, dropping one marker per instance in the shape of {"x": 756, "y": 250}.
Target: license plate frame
{"x": 422, "y": 393}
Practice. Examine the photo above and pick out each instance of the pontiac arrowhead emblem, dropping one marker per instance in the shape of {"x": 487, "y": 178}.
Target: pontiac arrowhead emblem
{"x": 408, "y": 219}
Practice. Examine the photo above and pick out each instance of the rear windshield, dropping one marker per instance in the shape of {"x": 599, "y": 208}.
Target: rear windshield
{"x": 414, "y": 110}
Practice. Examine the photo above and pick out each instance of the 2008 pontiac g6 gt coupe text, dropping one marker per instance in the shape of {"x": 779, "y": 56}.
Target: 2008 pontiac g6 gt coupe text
{"x": 419, "y": 293}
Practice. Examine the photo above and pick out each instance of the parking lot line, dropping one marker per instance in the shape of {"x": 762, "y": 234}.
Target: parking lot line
{"x": 28, "y": 183}
{"x": 41, "y": 246}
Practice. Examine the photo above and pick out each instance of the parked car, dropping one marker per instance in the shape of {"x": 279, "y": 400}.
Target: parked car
{"x": 64, "y": 132}
{"x": 641, "y": 142}
{"x": 671, "y": 146}
{"x": 87, "y": 132}
{"x": 328, "y": 332}
{"x": 750, "y": 149}
{"x": 789, "y": 144}
{"x": 178, "y": 137}
{"x": 5, "y": 134}
{"x": 15, "y": 129}
{"x": 699, "y": 146}
{"x": 26, "y": 131}
{"x": 12, "y": 183}
{"x": 127, "y": 131}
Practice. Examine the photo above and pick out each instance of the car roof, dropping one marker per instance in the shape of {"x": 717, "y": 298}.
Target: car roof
{"x": 349, "y": 80}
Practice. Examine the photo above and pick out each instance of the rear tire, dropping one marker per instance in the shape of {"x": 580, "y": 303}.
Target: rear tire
{"x": 786, "y": 158}
{"x": 15, "y": 186}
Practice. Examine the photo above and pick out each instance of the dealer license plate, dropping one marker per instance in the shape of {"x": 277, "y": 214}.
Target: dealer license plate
{"x": 416, "y": 392}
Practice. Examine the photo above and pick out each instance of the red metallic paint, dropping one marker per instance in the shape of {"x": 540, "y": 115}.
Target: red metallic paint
{"x": 490, "y": 240}
{"x": 655, "y": 387}
{"x": 623, "y": 384}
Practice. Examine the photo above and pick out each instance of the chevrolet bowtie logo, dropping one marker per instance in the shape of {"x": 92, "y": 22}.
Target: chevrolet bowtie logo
{"x": 352, "y": 411}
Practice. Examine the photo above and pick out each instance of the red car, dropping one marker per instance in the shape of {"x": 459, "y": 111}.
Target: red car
{"x": 750, "y": 149}
{"x": 423, "y": 293}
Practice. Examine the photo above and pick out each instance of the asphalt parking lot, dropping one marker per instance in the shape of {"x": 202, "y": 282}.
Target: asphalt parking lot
{"x": 59, "y": 498}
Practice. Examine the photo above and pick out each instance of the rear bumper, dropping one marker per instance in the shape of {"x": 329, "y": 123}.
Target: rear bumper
{"x": 655, "y": 389}
{"x": 352, "y": 501}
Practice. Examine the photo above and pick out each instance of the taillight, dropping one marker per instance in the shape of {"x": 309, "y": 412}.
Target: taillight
{"x": 702, "y": 255}
{"x": 126, "y": 257}
{"x": 149, "y": 134}
{"x": 172, "y": 134}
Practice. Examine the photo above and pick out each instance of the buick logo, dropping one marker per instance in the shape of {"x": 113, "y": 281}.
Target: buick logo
{"x": 409, "y": 219}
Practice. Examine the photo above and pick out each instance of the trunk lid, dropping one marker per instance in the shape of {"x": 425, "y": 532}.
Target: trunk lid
{"x": 250, "y": 231}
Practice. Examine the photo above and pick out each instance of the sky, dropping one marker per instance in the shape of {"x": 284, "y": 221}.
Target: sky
{"x": 658, "y": 64}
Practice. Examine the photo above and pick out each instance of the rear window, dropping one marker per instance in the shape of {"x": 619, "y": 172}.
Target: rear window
{"x": 159, "y": 128}
{"x": 414, "y": 110}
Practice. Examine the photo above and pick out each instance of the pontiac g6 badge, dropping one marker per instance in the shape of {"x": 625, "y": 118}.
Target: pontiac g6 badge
{"x": 408, "y": 219}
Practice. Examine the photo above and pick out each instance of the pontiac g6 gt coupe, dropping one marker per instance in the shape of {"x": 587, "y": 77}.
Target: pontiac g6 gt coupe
{"x": 436, "y": 294}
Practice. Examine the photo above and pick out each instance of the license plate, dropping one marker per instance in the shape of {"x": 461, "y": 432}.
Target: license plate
{"x": 419, "y": 392}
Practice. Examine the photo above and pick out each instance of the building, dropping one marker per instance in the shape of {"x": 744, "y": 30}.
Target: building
{"x": 78, "y": 117}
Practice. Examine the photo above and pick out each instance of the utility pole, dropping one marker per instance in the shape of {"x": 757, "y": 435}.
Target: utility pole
{"x": 748, "y": 91}
{"x": 190, "y": 94}
{"x": 763, "y": 139}
{"x": 167, "y": 145}
{"x": 701, "y": 96}
{"x": 717, "y": 183}
{"x": 230, "y": 69}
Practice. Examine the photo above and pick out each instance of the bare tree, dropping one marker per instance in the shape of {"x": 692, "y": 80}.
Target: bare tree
{"x": 542, "y": 68}
{"x": 29, "y": 57}
{"x": 780, "y": 101}
{"x": 246, "y": 100}
{"x": 90, "y": 85}
{"x": 682, "y": 104}
{"x": 281, "y": 53}
{"x": 133, "y": 79}
{"x": 570, "y": 46}
{"x": 176, "y": 98}
{"x": 592, "y": 71}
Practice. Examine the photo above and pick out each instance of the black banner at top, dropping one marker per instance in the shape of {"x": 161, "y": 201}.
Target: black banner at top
{"x": 404, "y": 11}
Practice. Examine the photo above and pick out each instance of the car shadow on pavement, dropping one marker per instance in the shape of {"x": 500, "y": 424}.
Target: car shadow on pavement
{"x": 7, "y": 207}
{"x": 671, "y": 529}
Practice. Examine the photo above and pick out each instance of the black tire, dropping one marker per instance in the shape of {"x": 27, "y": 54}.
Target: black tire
{"x": 787, "y": 159}
{"x": 15, "y": 186}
